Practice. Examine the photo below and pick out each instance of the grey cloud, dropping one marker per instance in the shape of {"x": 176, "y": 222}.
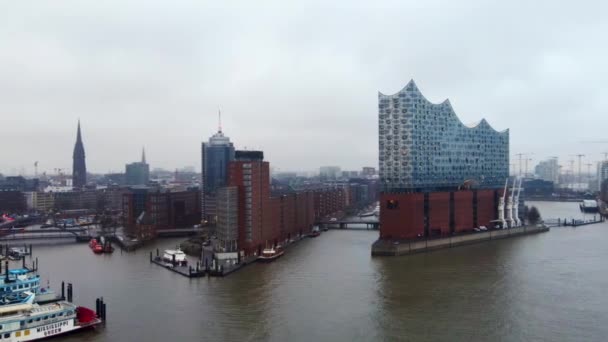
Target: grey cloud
{"x": 298, "y": 80}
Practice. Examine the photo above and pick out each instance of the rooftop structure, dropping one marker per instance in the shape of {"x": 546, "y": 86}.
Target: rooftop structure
{"x": 425, "y": 147}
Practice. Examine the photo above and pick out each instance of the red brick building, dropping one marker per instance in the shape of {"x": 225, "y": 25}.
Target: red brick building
{"x": 163, "y": 210}
{"x": 264, "y": 220}
{"x": 416, "y": 215}
{"x": 329, "y": 201}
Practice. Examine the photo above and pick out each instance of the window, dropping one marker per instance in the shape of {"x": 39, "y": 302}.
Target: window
{"x": 7, "y": 335}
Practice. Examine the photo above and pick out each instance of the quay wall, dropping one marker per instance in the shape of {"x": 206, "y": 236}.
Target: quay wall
{"x": 389, "y": 248}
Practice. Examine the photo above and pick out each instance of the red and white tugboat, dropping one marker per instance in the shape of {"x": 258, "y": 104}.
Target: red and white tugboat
{"x": 271, "y": 254}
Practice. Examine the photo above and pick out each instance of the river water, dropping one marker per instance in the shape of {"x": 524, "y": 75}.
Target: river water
{"x": 545, "y": 287}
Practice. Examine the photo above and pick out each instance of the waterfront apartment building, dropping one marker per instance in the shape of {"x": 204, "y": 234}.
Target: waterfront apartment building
{"x": 263, "y": 219}
{"x": 227, "y": 219}
{"x": 251, "y": 175}
{"x": 216, "y": 154}
{"x": 437, "y": 175}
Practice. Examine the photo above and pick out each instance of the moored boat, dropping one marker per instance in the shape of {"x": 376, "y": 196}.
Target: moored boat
{"x": 314, "y": 233}
{"x": 98, "y": 249}
{"x": 175, "y": 256}
{"x": 30, "y": 322}
{"x": 271, "y": 254}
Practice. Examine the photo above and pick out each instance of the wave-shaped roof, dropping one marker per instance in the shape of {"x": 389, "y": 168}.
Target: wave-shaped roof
{"x": 411, "y": 88}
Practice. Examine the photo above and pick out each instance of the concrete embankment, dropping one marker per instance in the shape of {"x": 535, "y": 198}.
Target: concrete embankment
{"x": 393, "y": 248}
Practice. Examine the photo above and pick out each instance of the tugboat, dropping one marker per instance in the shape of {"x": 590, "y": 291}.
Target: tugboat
{"x": 271, "y": 254}
{"x": 98, "y": 249}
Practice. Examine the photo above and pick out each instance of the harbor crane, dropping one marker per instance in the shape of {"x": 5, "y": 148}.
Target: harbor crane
{"x": 509, "y": 208}
{"x": 516, "y": 204}
{"x": 501, "y": 205}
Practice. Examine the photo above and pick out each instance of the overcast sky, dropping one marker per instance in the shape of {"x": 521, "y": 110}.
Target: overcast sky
{"x": 299, "y": 81}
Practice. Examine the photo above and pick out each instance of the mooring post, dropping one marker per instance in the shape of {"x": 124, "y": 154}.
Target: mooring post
{"x": 23, "y": 261}
{"x": 173, "y": 260}
{"x": 150, "y": 256}
{"x": 98, "y": 307}
{"x": 157, "y": 252}
{"x": 36, "y": 263}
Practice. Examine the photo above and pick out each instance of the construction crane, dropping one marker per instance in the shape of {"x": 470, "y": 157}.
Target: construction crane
{"x": 520, "y": 155}
{"x": 579, "y": 156}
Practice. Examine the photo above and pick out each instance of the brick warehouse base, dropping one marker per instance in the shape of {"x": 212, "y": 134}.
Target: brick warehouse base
{"x": 389, "y": 248}
{"x": 406, "y": 216}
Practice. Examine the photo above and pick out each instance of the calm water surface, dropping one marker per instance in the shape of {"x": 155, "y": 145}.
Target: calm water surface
{"x": 547, "y": 287}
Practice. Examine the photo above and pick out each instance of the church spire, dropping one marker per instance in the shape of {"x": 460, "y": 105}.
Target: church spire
{"x": 79, "y": 168}
{"x": 143, "y": 155}
{"x": 78, "y": 135}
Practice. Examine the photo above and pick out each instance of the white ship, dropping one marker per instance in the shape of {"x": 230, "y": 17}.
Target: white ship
{"x": 31, "y": 322}
{"x": 175, "y": 255}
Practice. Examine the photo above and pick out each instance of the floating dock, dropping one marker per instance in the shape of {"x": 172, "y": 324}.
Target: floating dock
{"x": 187, "y": 271}
{"x": 202, "y": 269}
{"x": 395, "y": 248}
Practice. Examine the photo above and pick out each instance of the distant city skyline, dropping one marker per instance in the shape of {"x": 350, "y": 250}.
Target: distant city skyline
{"x": 298, "y": 81}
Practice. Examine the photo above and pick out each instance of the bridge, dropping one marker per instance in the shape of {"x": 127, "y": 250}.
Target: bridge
{"x": 36, "y": 233}
{"x": 350, "y": 223}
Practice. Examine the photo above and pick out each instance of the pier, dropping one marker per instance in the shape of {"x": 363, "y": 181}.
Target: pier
{"x": 187, "y": 271}
{"x": 573, "y": 222}
{"x": 215, "y": 269}
{"x": 395, "y": 247}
